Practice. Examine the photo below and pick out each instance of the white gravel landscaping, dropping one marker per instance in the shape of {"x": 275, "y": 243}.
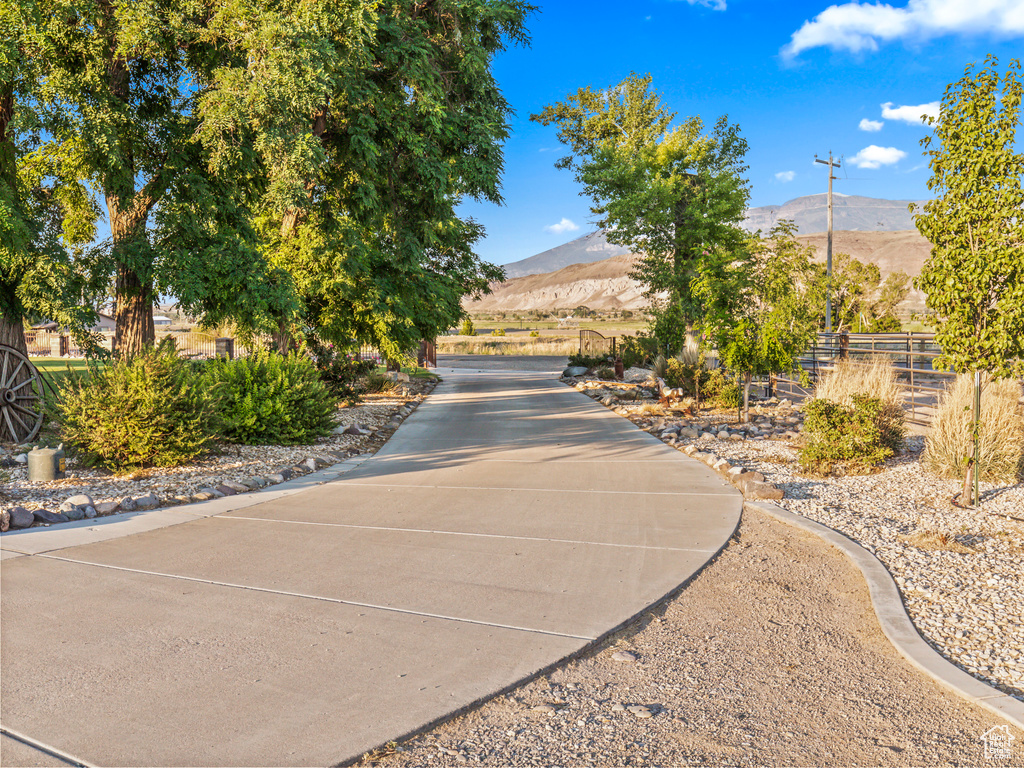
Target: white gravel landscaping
{"x": 238, "y": 467}
{"x": 960, "y": 571}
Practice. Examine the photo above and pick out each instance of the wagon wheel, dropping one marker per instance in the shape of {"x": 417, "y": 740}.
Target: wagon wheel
{"x": 21, "y": 397}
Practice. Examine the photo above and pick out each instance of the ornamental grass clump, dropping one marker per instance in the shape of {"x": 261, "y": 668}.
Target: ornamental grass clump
{"x": 848, "y": 378}
{"x": 149, "y": 411}
{"x": 270, "y": 399}
{"x": 951, "y": 440}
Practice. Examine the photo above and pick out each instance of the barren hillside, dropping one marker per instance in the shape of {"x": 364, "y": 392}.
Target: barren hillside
{"x": 606, "y": 285}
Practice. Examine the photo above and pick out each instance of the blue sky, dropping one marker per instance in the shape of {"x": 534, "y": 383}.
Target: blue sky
{"x": 799, "y": 78}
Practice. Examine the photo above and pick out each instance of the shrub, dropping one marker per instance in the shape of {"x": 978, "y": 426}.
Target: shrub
{"x": 376, "y": 383}
{"x": 639, "y": 350}
{"x": 605, "y": 373}
{"x": 534, "y": 334}
{"x": 498, "y": 332}
{"x": 951, "y": 440}
{"x": 269, "y": 398}
{"x": 339, "y": 372}
{"x": 853, "y": 438}
{"x": 659, "y": 368}
{"x": 587, "y": 361}
{"x": 467, "y": 328}
{"x": 721, "y": 390}
{"x": 150, "y": 411}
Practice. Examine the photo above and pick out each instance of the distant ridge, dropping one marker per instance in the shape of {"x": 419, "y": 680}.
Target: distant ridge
{"x": 606, "y": 284}
{"x": 589, "y": 248}
{"x": 850, "y": 213}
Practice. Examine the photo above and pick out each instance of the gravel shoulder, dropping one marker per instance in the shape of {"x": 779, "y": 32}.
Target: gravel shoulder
{"x": 771, "y": 656}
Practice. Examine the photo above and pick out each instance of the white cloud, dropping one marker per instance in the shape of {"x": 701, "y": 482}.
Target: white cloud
{"x": 785, "y": 176}
{"x": 909, "y": 114}
{"x": 565, "y": 225}
{"x": 715, "y": 5}
{"x": 870, "y": 125}
{"x": 875, "y": 157}
{"x": 861, "y": 26}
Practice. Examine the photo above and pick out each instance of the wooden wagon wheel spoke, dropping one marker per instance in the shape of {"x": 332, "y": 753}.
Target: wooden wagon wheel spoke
{"x": 8, "y": 382}
{"x": 21, "y": 397}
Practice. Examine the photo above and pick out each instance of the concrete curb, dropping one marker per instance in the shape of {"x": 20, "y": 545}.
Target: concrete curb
{"x": 896, "y": 624}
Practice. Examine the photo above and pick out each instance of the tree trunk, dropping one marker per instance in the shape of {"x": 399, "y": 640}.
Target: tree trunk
{"x": 747, "y": 377}
{"x": 134, "y": 313}
{"x": 12, "y": 333}
{"x": 283, "y": 337}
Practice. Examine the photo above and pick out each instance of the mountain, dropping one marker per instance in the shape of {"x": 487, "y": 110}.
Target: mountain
{"x": 583, "y": 250}
{"x": 606, "y": 284}
{"x": 849, "y": 212}
{"x": 599, "y": 285}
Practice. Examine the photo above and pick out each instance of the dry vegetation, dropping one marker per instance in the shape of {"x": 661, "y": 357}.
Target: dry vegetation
{"x": 951, "y": 440}
{"x": 508, "y": 345}
{"x": 849, "y": 378}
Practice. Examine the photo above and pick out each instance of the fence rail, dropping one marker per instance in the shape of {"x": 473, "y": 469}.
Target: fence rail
{"x": 198, "y": 346}
{"x": 911, "y": 356}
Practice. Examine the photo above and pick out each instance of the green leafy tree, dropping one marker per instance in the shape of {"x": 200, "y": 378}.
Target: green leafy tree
{"x": 762, "y": 305}
{"x": 118, "y": 86}
{"x": 974, "y": 277}
{"x": 673, "y": 195}
{"x": 861, "y": 301}
{"x": 374, "y": 124}
{"x": 42, "y": 201}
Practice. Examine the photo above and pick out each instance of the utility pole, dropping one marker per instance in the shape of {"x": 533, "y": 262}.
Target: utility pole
{"x": 828, "y": 264}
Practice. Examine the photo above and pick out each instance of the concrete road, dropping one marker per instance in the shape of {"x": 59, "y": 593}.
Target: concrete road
{"x": 509, "y": 523}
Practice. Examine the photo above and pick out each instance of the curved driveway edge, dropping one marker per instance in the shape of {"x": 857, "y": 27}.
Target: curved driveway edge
{"x": 508, "y": 524}
{"x": 896, "y": 624}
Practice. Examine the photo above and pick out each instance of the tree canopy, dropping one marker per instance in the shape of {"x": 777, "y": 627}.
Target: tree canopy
{"x": 674, "y": 195}
{"x": 293, "y": 167}
{"x": 762, "y": 304}
{"x": 974, "y": 277}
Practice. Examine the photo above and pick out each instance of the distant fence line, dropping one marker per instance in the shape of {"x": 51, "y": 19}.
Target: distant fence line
{"x": 910, "y": 354}
{"x": 193, "y": 344}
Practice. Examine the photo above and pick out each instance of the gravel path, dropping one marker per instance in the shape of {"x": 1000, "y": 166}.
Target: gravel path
{"x": 771, "y": 656}
{"x": 959, "y": 571}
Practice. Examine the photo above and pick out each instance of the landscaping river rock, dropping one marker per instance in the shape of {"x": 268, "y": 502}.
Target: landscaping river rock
{"x": 88, "y": 492}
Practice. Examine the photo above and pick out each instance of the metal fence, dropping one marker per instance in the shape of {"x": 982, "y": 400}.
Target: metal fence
{"x": 910, "y": 354}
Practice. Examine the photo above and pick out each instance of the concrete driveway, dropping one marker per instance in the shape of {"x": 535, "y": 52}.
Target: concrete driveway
{"x": 510, "y": 522}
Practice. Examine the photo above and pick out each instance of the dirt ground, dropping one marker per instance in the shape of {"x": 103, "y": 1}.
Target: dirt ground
{"x": 770, "y": 656}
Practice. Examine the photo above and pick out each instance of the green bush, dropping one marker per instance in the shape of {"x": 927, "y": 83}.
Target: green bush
{"x": 721, "y": 390}
{"x": 339, "y": 372}
{"x": 467, "y": 328}
{"x": 605, "y": 373}
{"x": 639, "y": 350}
{"x": 498, "y": 332}
{"x": 852, "y": 438}
{"x": 150, "y": 411}
{"x": 534, "y": 334}
{"x": 376, "y": 383}
{"x": 679, "y": 375}
{"x": 587, "y": 361}
{"x": 269, "y": 398}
